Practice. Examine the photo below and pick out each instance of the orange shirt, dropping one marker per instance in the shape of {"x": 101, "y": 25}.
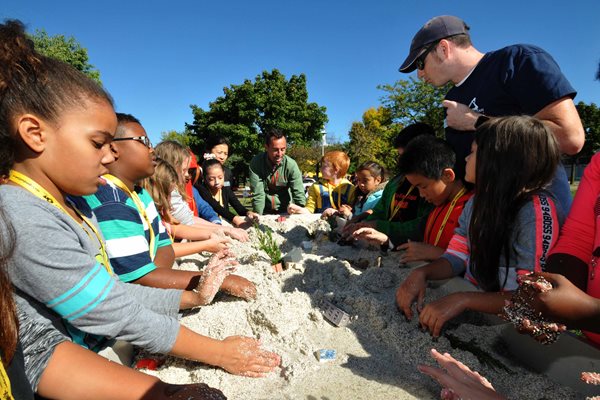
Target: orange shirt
{"x": 435, "y": 222}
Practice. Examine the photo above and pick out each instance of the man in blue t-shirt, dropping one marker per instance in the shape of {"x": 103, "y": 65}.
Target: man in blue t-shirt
{"x": 515, "y": 80}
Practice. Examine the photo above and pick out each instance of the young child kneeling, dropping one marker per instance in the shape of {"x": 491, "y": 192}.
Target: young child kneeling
{"x": 428, "y": 164}
{"x": 335, "y": 194}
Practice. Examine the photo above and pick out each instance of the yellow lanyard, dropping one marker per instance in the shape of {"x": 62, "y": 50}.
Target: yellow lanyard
{"x": 139, "y": 205}
{"x": 395, "y": 208}
{"x": 219, "y": 197}
{"x": 31, "y": 186}
{"x": 445, "y": 220}
{"x": 339, "y": 190}
{"x": 5, "y": 392}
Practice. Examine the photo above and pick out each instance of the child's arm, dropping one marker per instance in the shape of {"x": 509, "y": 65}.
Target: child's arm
{"x": 419, "y": 251}
{"x": 213, "y": 245}
{"x": 435, "y": 314}
{"x": 413, "y": 287}
{"x": 238, "y": 355}
{"x": 65, "y": 378}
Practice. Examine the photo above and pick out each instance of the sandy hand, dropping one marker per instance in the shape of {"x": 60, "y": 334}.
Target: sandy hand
{"x": 240, "y": 287}
{"x": 216, "y": 243}
{"x": 238, "y": 234}
{"x": 243, "y": 356}
{"x": 213, "y": 275}
{"x": 371, "y": 235}
{"x": 411, "y": 290}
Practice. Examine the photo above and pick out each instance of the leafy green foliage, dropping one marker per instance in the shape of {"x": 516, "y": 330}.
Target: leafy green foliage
{"x": 267, "y": 243}
{"x": 183, "y": 138}
{"x": 590, "y": 118}
{"x": 65, "y": 49}
{"x": 371, "y": 139}
{"x": 246, "y": 110}
{"x": 413, "y": 100}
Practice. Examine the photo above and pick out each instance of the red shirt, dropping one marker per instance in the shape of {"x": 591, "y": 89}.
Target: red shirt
{"x": 435, "y": 222}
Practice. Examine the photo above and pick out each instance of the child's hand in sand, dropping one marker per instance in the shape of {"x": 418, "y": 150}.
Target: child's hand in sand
{"x": 237, "y": 234}
{"x": 243, "y": 356}
{"x": 213, "y": 275}
{"x": 371, "y": 235}
{"x": 216, "y": 243}
{"x": 413, "y": 288}
{"x": 419, "y": 251}
{"x": 240, "y": 287}
{"x": 328, "y": 212}
{"x": 345, "y": 210}
{"x": 457, "y": 380}
{"x": 296, "y": 209}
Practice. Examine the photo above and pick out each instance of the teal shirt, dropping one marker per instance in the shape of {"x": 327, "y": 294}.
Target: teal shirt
{"x": 274, "y": 187}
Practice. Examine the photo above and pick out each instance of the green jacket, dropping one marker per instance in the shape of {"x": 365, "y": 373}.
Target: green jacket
{"x": 273, "y": 186}
{"x": 409, "y": 222}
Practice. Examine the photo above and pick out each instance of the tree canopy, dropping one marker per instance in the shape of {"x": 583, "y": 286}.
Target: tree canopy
{"x": 67, "y": 50}
{"x": 590, "y": 118}
{"x": 248, "y": 109}
{"x": 413, "y": 100}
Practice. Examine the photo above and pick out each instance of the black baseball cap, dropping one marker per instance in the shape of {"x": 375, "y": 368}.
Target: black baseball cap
{"x": 435, "y": 29}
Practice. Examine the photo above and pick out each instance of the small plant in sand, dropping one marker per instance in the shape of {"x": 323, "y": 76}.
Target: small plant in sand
{"x": 267, "y": 243}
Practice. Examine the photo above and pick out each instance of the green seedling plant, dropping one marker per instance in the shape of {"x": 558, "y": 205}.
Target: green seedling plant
{"x": 267, "y": 243}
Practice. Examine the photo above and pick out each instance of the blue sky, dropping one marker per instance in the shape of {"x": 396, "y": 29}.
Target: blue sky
{"x": 158, "y": 57}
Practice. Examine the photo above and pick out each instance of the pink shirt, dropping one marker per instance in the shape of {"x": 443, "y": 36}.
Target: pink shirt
{"x": 580, "y": 235}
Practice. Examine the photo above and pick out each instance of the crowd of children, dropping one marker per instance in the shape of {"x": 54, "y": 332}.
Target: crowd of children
{"x": 108, "y": 213}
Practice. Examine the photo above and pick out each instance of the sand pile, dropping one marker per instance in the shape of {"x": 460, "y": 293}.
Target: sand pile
{"x": 377, "y": 352}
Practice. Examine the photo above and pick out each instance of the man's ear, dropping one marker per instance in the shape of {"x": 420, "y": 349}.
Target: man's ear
{"x": 33, "y": 132}
{"x": 448, "y": 175}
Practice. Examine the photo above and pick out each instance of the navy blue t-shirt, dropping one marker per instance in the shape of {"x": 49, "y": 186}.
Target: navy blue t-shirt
{"x": 515, "y": 80}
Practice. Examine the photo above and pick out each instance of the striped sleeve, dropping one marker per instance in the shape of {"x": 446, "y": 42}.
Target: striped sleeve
{"x": 459, "y": 249}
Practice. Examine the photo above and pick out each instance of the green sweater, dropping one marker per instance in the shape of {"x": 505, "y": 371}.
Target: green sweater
{"x": 409, "y": 222}
{"x": 273, "y": 186}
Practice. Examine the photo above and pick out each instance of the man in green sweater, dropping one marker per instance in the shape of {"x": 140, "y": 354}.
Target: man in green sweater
{"x": 275, "y": 178}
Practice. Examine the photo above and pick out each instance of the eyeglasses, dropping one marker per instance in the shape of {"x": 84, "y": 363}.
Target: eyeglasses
{"x": 420, "y": 61}
{"x": 143, "y": 139}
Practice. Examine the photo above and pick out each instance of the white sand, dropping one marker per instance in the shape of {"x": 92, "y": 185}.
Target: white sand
{"x": 377, "y": 352}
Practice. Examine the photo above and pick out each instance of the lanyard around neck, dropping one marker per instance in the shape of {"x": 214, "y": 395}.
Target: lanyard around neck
{"x": 139, "y": 205}
{"x": 446, "y": 217}
{"x": 394, "y": 208}
{"x": 339, "y": 190}
{"x": 38, "y": 191}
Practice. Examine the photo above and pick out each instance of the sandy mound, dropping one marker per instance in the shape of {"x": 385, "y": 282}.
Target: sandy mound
{"x": 377, "y": 352}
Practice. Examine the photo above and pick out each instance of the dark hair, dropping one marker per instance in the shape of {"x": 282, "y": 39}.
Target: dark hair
{"x": 516, "y": 158}
{"x": 410, "y": 132}
{"x": 209, "y": 164}
{"x": 427, "y": 156}
{"x": 33, "y": 83}
{"x": 374, "y": 168}
{"x": 9, "y": 323}
{"x": 273, "y": 133}
{"x": 123, "y": 119}
{"x": 216, "y": 140}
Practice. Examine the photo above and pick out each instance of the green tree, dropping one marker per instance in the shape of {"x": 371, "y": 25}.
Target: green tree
{"x": 67, "y": 50}
{"x": 246, "y": 110}
{"x": 184, "y": 138}
{"x": 413, "y": 100}
{"x": 590, "y": 118}
{"x": 371, "y": 139}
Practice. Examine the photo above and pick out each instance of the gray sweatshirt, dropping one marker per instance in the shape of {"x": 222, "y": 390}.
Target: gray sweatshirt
{"x": 59, "y": 281}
